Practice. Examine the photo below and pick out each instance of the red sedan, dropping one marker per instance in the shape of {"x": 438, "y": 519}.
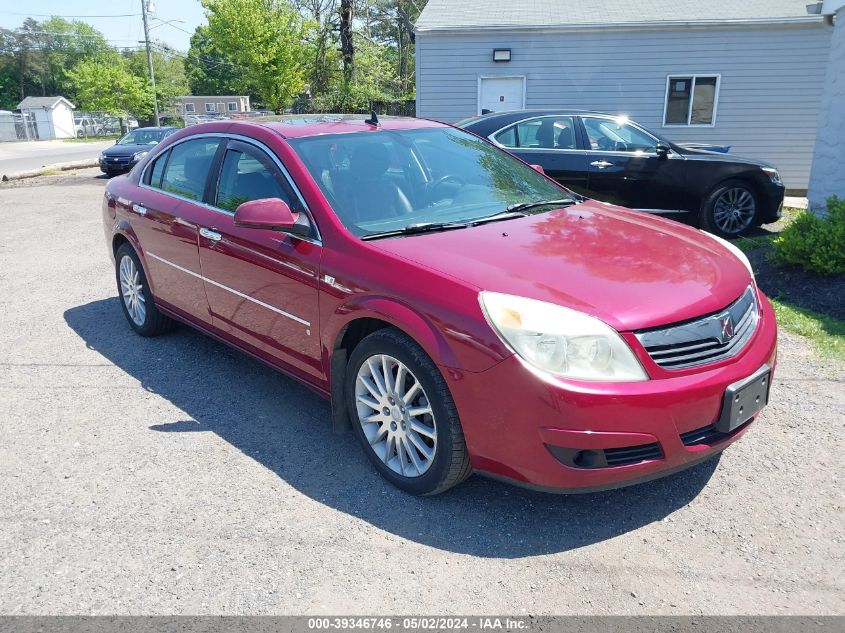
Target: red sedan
{"x": 463, "y": 312}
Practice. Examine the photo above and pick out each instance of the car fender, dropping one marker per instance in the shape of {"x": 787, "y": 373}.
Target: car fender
{"x": 400, "y": 315}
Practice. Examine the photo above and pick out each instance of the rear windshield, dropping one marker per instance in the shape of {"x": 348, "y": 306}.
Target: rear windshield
{"x": 386, "y": 180}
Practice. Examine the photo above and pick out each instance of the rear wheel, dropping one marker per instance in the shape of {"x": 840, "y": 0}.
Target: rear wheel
{"x": 404, "y": 416}
{"x": 730, "y": 209}
{"x": 135, "y": 297}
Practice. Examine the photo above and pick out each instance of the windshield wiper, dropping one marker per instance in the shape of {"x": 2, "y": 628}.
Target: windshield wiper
{"x": 420, "y": 227}
{"x": 524, "y": 206}
{"x": 496, "y": 217}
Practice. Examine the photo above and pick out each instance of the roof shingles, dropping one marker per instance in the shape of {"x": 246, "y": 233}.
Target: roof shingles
{"x": 449, "y": 14}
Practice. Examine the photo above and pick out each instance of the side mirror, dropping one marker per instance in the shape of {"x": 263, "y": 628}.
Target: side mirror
{"x": 662, "y": 150}
{"x": 271, "y": 214}
{"x": 539, "y": 168}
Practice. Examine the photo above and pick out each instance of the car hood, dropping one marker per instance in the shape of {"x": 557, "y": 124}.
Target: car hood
{"x": 692, "y": 153}
{"x": 126, "y": 150}
{"x": 629, "y": 269}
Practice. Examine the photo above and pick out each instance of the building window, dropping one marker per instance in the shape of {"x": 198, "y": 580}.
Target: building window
{"x": 691, "y": 100}
{"x": 232, "y": 106}
{"x": 209, "y": 107}
{"x": 189, "y": 107}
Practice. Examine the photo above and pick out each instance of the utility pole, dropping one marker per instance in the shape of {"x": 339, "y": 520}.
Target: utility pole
{"x": 150, "y": 60}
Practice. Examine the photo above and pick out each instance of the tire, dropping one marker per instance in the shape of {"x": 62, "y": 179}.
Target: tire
{"x": 730, "y": 209}
{"x": 135, "y": 297}
{"x": 421, "y": 473}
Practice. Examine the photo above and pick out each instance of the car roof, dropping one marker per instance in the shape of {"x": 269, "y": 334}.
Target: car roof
{"x": 496, "y": 120}
{"x": 161, "y": 128}
{"x": 302, "y": 125}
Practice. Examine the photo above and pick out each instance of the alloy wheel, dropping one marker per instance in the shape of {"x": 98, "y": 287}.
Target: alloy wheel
{"x": 734, "y": 210}
{"x": 395, "y": 415}
{"x": 132, "y": 290}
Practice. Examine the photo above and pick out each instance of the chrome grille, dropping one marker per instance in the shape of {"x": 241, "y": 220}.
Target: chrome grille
{"x": 705, "y": 340}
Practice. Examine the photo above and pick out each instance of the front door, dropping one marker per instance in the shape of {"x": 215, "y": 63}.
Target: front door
{"x": 261, "y": 284}
{"x": 166, "y": 215}
{"x": 499, "y": 94}
{"x": 625, "y": 168}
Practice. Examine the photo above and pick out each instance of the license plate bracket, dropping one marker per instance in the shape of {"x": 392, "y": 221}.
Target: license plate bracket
{"x": 743, "y": 399}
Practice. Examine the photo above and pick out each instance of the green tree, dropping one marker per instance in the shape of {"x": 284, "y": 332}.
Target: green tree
{"x": 270, "y": 40}
{"x": 169, "y": 69}
{"x": 111, "y": 87}
{"x": 213, "y": 71}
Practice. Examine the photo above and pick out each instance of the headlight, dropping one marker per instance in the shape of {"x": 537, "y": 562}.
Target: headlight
{"x": 560, "y": 341}
{"x": 772, "y": 173}
{"x": 733, "y": 249}
{"x": 138, "y": 155}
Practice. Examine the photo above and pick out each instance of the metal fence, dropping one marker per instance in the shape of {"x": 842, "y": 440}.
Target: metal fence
{"x": 18, "y": 127}
{"x": 389, "y": 108}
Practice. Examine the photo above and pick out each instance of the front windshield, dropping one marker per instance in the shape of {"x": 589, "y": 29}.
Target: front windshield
{"x": 142, "y": 137}
{"x": 391, "y": 179}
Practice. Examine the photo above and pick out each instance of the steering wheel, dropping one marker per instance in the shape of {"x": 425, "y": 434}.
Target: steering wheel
{"x": 443, "y": 179}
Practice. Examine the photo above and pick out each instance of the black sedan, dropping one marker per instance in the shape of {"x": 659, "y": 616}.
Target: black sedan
{"x": 122, "y": 156}
{"x": 613, "y": 159}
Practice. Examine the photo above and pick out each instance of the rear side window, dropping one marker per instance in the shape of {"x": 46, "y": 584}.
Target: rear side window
{"x": 544, "y": 133}
{"x": 187, "y": 170}
{"x": 249, "y": 175}
{"x": 157, "y": 170}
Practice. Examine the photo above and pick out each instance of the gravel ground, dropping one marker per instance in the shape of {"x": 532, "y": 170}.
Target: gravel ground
{"x": 176, "y": 476}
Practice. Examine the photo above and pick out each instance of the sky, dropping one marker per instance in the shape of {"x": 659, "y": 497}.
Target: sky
{"x": 124, "y": 30}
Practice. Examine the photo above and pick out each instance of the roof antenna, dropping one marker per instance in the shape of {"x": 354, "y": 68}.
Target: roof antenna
{"x": 373, "y": 120}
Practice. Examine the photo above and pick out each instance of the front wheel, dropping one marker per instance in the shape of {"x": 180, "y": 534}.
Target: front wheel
{"x": 404, "y": 416}
{"x": 135, "y": 296}
{"x": 730, "y": 209}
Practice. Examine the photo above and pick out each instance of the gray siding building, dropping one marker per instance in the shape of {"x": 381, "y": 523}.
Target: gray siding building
{"x": 746, "y": 74}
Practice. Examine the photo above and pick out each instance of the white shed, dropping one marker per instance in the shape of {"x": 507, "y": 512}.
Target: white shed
{"x": 53, "y": 116}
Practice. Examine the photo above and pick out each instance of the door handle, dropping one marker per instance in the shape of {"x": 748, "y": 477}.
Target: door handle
{"x": 139, "y": 209}
{"x": 214, "y": 236}
{"x": 601, "y": 164}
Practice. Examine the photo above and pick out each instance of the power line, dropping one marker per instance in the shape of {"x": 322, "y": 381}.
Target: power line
{"x": 53, "y": 15}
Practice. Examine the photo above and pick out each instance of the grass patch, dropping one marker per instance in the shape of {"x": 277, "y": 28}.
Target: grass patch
{"x": 93, "y": 139}
{"x": 51, "y": 172}
{"x": 826, "y": 332}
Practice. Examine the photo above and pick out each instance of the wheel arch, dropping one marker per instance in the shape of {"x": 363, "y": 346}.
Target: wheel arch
{"x": 351, "y": 323}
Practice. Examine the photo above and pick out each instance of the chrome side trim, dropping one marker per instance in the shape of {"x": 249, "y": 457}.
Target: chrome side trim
{"x": 232, "y": 290}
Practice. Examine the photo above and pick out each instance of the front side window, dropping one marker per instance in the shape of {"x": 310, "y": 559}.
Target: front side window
{"x": 691, "y": 100}
{"x": 542, "y": 133}
{"x": 189, "y": 107}
{"x": 249, "y": 175}
{"x": 209, "y": 107}
{"x": 232, "y": 106}
{"x": 617, "y": 135}
{"x": 388, "y": 180}
{"x": 187, "y": 169}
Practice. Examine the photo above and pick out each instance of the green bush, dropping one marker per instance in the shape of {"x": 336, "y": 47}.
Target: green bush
{"x": 814, "y": 243}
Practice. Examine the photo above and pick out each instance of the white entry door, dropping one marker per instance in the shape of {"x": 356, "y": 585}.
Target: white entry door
{"x": 498, "y": 94}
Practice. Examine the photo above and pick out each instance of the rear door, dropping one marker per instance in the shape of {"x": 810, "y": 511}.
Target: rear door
{"x": 551, "y": 142}
{"x": 166, "y": 216}
{"x": 625, "y": 169}
{"x": 261, "y": 284}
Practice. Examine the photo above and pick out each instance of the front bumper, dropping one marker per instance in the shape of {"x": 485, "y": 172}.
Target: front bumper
{"x": 570, "y": 436}
{"x": 119, "y": 164}
{"x": 771, "y": 203}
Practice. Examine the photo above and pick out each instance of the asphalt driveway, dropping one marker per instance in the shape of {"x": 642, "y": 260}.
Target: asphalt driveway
{"x": 25, "y": 155}
{"x": 176, "y": 476}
